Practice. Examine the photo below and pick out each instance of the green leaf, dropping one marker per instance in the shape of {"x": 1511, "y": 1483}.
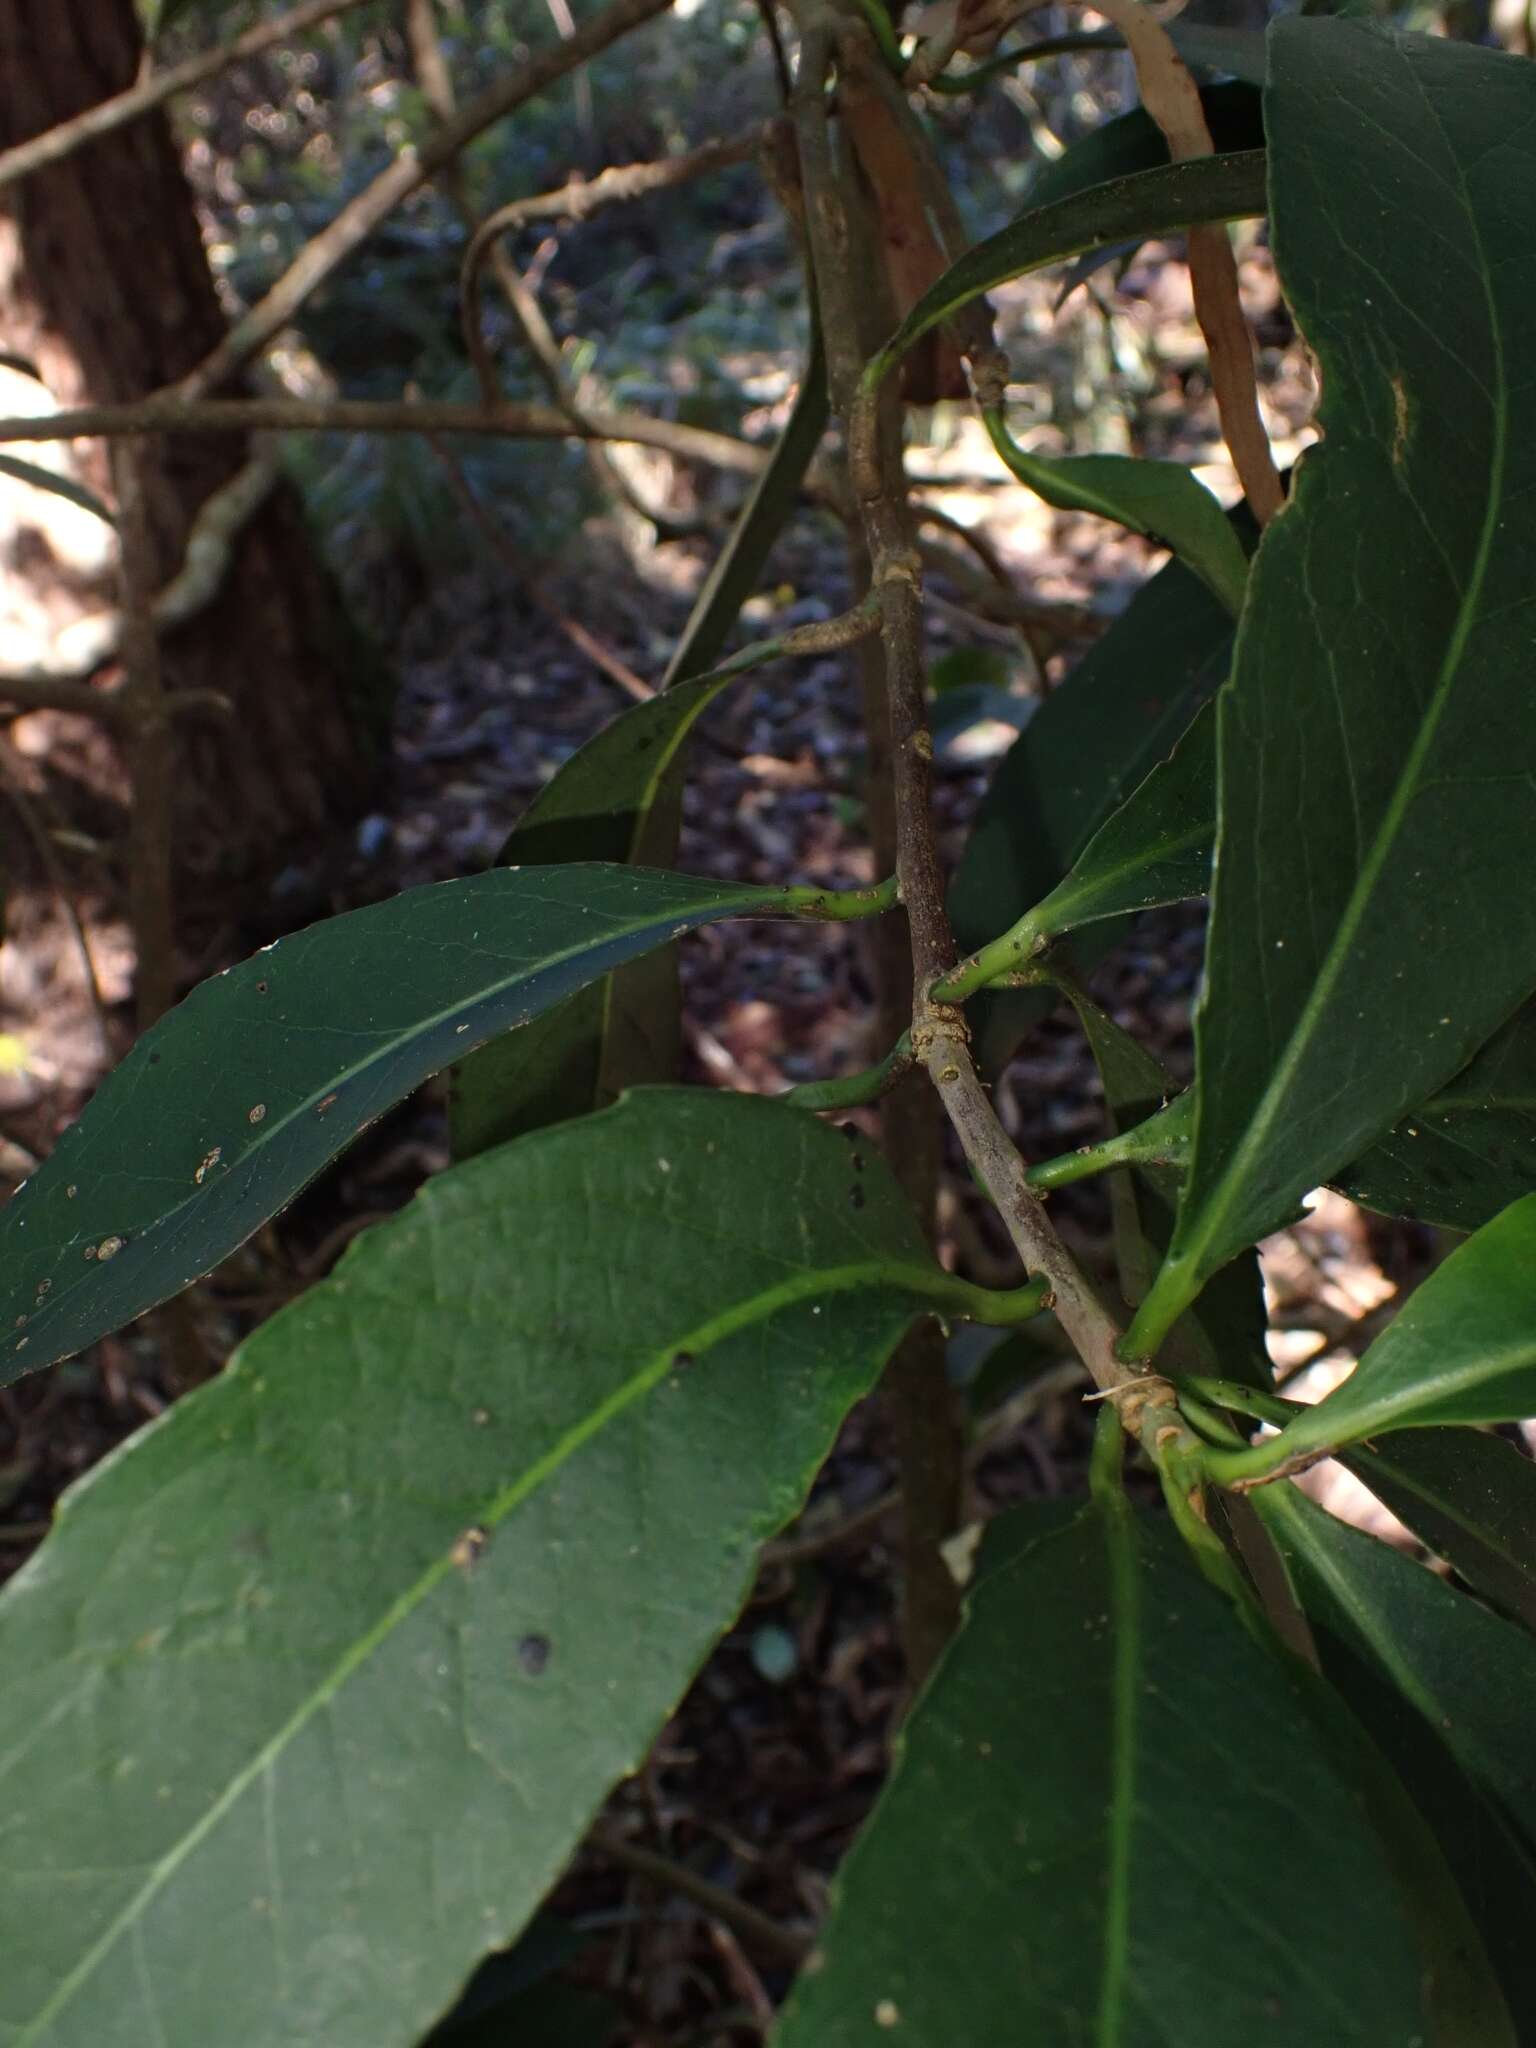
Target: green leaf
{"x": 1456, "y": 1161}
{"x": 1133, "y": 142}
{"x": 1470, "y": 1150}
{"x": 1093, "y": 742}
{"x": 1087, "y": 1820}
{"x": 1375, "y": 746}
{"x": 239, "y": 1097}
{"x": 965, "y": 668}
{"x": 1470, "y": 1497}
{"x": 1098, "y": 735}
{"x": 1222, "y": 1335}
{"x": 1404, "y": 1652}
{"x": 1211, "y": 188}
{"x": 1162, "y": 500}
{"x": 1461, "y": 1349}
{"x": 580, "y": 1056}
{"x": 739, "y": 564}
{"x": 1156, "y": 848}
{"x": 313, "y": 1689}
{"x": 59, "y": 486}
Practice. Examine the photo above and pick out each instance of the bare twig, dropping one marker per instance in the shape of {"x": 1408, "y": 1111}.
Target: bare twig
{"x": 160, "y": 86}
{"x": 528, "y": 583}
{"x": 578, "y": 201}
{"x": 148, "y": 725}
{"x": 166, "y": 412}
{"x": 359, "y": 218}
{"x": 436, "y": 82}
{"x": 768, "y": 1937}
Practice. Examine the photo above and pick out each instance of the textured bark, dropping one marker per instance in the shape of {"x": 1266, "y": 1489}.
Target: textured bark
{"x": 105, "y": 285}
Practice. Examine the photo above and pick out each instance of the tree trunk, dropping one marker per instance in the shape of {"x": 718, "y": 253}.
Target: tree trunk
{"x": 105, "y": 286}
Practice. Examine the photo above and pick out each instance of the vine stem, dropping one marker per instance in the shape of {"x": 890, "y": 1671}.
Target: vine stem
{"x": 1144, "y": 1400}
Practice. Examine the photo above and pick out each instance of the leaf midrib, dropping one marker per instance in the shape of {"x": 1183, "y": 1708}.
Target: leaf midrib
{"x": 715, "y": 1330}
{"x": 1125, "y": 1607}
{"x": 1384, "y": 1412}
{"x": 1271, "y": 1103}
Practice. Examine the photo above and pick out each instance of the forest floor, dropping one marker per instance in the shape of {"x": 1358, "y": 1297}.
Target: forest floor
{"x": 764, "y": 1774}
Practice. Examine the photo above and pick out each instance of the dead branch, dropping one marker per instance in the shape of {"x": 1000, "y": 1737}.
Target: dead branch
{"x": 168, "y": 412}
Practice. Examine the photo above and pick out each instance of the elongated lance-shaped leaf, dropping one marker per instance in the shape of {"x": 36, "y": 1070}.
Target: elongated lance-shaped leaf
{"x": 1101, "y": 1740}
{"x": 1156, "y": 848}
{"x": 368, "y": 1627}
{"x": 1375, "y": 746}
{"x": 1210, "y": 188}
{"x": 45, "y": 479}
{"x": 620, "y": 798}
{"x": 1467, "y": 1152}
{"x": 235, "y": 1100}
{"x": 1468, "y": 1495}
{"x": 1234, "y": 113}
{"x": 734, "y": 576}
{"x": 1468, "y": 1673}
{"x": 580, "y": 1055}
{"x": 1222, "y": 1335}
{"x": 1465, "y": 1672}
{"x": 1461, "y": 1349}
{"x": 1406, "y": 1656}
{"x": 1163, "y": 500}
{"x": 1456, "y": 1160}
{"x": 1118, "y": 713}
{"x": 1235, "y": 50}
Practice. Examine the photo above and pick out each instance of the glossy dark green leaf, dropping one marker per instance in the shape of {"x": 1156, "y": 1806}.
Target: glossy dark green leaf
{"x": 1461, "y": 1349}
{"x": 1455, "y": 1161}
{"x": 1162, "y": 500}
{"x": 1470, "y": 1497}
{"x": 1133, "y": 142}
{"x": 1098, "y": 735}
{"x": 1376, "y": 750}
{"x": 313, "y": 1689}
{"x": 1372, "y": 1613}
{"x": 44, "y": 479}
{"x": 581, "y": 1055}
{"x": 1110, "y": 1820}
{"x": 1155, "y": 849}
{"x": 1222, "y": 1335}
{"x": 1237, "y": 51}
{"x": 1470, "y": 1150}
{"x": 734, "y": 576}
{"x": 238, "y": 1098}
{"x": 1470, "y": 1674}
{"x": 1095, "y": 739}
{"x": 1212, "y": 188}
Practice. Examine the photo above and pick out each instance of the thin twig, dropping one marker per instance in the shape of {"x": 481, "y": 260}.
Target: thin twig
{"x": 167, "y": 412}
{"x": 785, "y": 1944}
{"x": 160, "y": 86}
{"x": 436, "y": 81}
{"x": 578, "y": 200}
{"x": 528, "y": 583}
{"x": 358, "y": 219}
